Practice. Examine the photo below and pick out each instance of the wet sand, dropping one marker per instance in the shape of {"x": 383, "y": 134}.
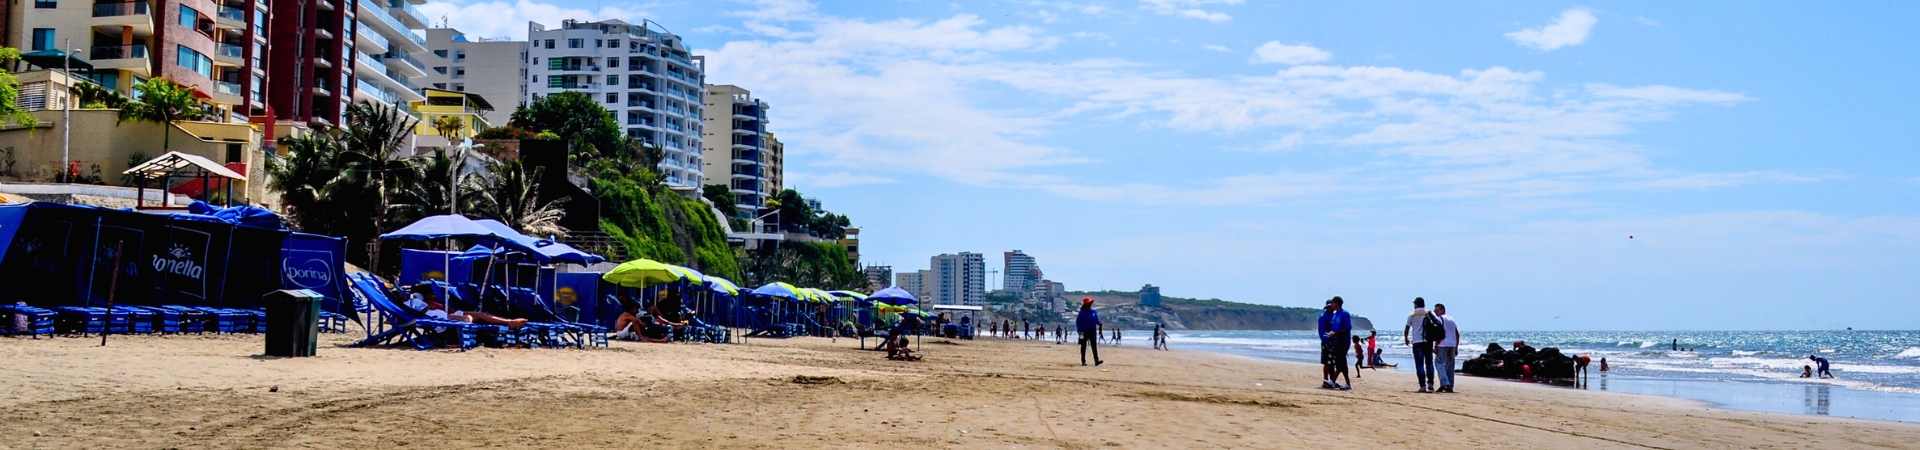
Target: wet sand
{"x": 217, "y": 392}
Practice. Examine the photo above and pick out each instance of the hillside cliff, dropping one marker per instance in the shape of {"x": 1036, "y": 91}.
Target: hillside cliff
{"x": 1122, "y": 309}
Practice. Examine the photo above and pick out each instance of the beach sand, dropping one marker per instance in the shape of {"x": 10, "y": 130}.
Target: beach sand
{"x": 215, "y": 392}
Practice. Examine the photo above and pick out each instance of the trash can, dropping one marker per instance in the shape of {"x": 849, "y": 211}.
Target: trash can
{"x": 293, "y": 322}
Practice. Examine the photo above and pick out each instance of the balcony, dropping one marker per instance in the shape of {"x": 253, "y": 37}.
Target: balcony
{"x": 376, "y": 18}
{"x": 371, "y": 42}
{"x": 121, "y": 57}
{"x": 367, "y": 91}
{"x": 404, "y": 64}
{"x": 113, "y": 17}
{"x": 227, "y": 93}
{"x": 321, "y": 88}
{"x": 230, "y": 55}
{"x": 407, "y": 14}
{"x": 231, "y": 18}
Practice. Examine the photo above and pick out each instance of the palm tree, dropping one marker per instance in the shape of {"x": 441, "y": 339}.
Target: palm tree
{"x": 92, "y": 95}
{"x": 450, "y": 127}
{"x": 513, "y": 199}
{"x": 425, "y": 191}
{"x": 338, "y": 182}
{"x": 163, "y": 102}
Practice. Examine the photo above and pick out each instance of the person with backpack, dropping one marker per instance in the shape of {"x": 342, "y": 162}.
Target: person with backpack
{"x": 1416, "y": 336}
{"x": 1447, "y": 348}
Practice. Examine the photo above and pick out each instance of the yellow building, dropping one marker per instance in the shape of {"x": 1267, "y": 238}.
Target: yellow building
{"x": 467, "y": 107}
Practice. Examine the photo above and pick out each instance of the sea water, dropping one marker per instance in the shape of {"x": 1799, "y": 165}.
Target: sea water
{"x": 1878, "y": 372}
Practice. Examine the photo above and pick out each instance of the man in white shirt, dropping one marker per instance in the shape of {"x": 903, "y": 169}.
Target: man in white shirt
{"x": 1445, "y": 351}
{"x": 1422, "y": 348}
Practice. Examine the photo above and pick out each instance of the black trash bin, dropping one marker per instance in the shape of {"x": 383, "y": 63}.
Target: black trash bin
{"x": 293, "y": 322}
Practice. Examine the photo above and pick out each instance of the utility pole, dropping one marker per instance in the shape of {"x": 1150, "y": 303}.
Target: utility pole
{"x": 66, "y": 115}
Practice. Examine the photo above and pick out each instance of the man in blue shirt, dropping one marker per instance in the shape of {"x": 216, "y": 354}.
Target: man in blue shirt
{"x": 1336, "y": 327}
{"x": 1821, "y": 369}
{"x": 1089, "y": 325}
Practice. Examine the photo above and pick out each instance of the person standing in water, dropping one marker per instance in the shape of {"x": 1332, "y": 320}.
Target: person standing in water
{"x": 1821, "y": 367}
{"x": 1422, "y": 346}
{"x": 1088, "y": 323}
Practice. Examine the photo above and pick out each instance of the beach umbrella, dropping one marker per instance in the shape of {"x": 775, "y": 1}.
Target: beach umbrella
{"x": 722, "y": 286}
{"x": 644, "y": 273}
{"x": 693, "y": 277}
{"x": 850, "y": 295}
{"x": 780, "y": 290}
{"x": 894, "y": 296}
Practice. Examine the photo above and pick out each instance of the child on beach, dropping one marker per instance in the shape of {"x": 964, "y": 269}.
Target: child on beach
{"x": 1806, "y": 371}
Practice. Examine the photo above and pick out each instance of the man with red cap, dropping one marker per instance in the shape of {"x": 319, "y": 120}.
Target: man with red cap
{"x": 1089, "y": 324}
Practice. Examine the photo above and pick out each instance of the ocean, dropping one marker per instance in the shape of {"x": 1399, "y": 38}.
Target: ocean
{"x": 1878, "y": 372}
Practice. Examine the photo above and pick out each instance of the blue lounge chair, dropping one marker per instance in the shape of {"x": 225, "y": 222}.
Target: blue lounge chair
{"x": 80, "y": 319}
{"x": 574, "y": 334}
{"x": 404, "y": 325}
{"x": 162, "y": 320}
{"x": 139, "y": 320}
{"x": 39, "y": 321}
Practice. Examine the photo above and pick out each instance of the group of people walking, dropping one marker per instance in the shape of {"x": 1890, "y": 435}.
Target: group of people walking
{"x": 1433, "y": 335}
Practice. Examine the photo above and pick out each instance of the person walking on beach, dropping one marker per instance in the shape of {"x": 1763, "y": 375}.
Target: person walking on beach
{"x": 1336, "y": 325}
{"x": 1447, "y": 349}
{"x": 1821, "y": 369}
{"x": 1416, "y": 337}
{"x": 1088, "y": 323}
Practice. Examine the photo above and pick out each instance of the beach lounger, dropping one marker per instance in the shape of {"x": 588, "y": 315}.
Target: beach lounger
{"x": 38, "y": 321}
{"x": 403, "y": 325}
{"x": 79, "y": 319}
{"x": 163, "y": 320}
{"x": 139, "y": 320}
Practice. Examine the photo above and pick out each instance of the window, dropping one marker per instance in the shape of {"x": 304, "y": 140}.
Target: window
{"x": 613, "y": 43}
{"x": 536, "y": 78}
{"x": 440, "y": 70}
{"x": 598, "y": 43}
{"x": 460, "y": 87}
{"x": 536, "y": 61}
{"x": 576, "y": 43}
{"x": 613, "y": 79}
{"x": 553, "y": 82}
{"x": 440, "y": 53}
{"x": 459, "y": 55}
{"x": 613, "y": 62}
{"x": 42, "y": 39}
{"x": 459, "y": 72}
{"x": 613, "y": 98}
{"x": 198, "y": 62}
{"x": 45, "y": 4}
{"x": 556, "y": 63}
{"x": 549, "y": 43}
{"x": 188, "y": 17}
{"x": 439, "y": 85}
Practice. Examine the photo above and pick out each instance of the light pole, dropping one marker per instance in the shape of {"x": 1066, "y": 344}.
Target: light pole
{"x": 66, "y": 115}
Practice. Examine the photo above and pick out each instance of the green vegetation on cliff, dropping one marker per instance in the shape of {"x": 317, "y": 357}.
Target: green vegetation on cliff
{"x": 663, "y": 226}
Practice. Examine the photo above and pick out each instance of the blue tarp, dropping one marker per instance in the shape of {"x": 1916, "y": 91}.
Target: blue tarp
{"x": 12, "y": 217}
{"x": 316, "y": 262}
{"x": 252, "y": 216}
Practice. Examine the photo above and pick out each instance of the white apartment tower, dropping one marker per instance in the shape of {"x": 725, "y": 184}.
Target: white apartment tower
{"x": 1021, "y": 274}
{"x": 494, "y": 69}
{"x": 737, "y": 147}
{"x": 958, "y": 279}
{"x": 387, "y": 51}
{"x": 642, "y": 73}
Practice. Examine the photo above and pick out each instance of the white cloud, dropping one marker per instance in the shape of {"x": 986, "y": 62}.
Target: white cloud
{"x": 927, "y": 98}
{"x": 1217, "y": 48}
{"x": 1278, "y": 53}
{"x": 502, "y": 19}
{"x": 1570, "y": 29}
{"x": 1189, "y": 9}
{"x": 1646, "y": 21}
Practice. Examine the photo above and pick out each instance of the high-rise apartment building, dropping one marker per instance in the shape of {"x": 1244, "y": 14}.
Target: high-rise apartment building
{"x": 387, "y": 67}
{"x": 310, "y": 61}
{"x": 494, "y": 69}
{"x": 915, "y": 282}
{"x": 213, "y": 47}
{"x": 958, "y": 279}
{"x": 736, "y": 147}
{"x": 642, "y": 73}
{"x": 1021, "y": 273}
{"x": 776, "y": 165}
{"x": 879, "y": 277}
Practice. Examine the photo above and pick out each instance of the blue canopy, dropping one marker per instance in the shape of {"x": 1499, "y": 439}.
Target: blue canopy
{"x": 11, "y": 218}
{"x": 541, "y": 249}
{"x": 560, "y": 252}
{"x": 894, "y": 296}
{"x": 252, "y": 216}
{"x": 777, "y": 289}
{"x": 441, "y": 227}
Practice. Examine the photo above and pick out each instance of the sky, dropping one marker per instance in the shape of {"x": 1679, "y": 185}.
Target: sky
{"x": 1534, "y": 165}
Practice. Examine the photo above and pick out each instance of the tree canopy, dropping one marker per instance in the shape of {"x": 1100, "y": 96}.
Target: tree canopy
{"x": 575, "y": 116}
{"x": 164, "y": 102}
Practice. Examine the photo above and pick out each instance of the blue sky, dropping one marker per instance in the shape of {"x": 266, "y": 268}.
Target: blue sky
{"x": 1495, "y": 156}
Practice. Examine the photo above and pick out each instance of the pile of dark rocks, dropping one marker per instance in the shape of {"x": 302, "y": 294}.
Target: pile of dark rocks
{"x": 1520, "y": 362}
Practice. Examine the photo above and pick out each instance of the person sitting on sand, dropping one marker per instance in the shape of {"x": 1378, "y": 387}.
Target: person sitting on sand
{"x": 423, "y": 300}
{"x": 1820, "y": 371}
{"x": 1806, "y": 371}
{"x": 898, "y": 350}
{"x": 628, "y": 326}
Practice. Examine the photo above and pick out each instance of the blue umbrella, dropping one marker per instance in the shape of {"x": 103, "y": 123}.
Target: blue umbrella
{"x": 441, "y": 227}
{"x": 540, "y": 249}
{"x": 778, "y": 289}
{"x": 894, "y": 296}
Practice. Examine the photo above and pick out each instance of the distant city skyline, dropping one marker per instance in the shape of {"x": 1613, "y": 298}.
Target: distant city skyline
{"x": 1492, "y": 156}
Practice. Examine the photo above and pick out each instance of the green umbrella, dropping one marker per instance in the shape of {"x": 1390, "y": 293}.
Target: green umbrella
{"x": 693, "y": 277}
{"x": 644, "y": 273}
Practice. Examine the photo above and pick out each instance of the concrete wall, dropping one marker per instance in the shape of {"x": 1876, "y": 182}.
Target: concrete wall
{"x": 495, "y": 70}
{"x": 99, "y": 138}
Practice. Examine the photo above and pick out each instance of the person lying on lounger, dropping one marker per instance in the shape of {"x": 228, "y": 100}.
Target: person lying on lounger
{"x": 424, "y": 301}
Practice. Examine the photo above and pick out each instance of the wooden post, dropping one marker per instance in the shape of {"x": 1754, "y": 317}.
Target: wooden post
{"x": 113, "y": 288}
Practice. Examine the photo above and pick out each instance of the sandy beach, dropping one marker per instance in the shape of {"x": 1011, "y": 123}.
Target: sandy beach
{"x": 217, "y": 392}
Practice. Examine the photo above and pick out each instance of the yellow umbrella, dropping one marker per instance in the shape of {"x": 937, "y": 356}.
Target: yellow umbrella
{"x": 693, "y": 277}
{"x": 644, "y": 273}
